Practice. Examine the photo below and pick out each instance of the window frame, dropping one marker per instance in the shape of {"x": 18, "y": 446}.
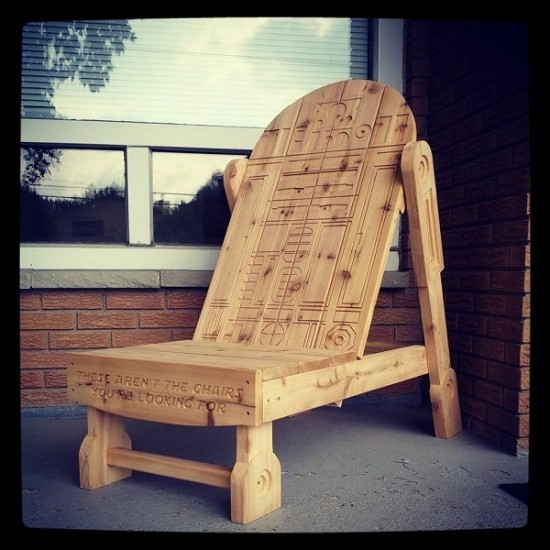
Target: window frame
{"x": 139, "y": 141}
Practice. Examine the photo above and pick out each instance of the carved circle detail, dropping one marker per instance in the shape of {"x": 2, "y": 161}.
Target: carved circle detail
{"x": 272, "y": 334}
{"x": 264, "y": 482}
{"x": 450, "y": 389}
{"x": 340, "y": 337}
{"x": 423, "y": 168}
{"x": 363, "y": 131}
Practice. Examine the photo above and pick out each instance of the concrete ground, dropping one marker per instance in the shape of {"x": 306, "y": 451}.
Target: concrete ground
{"x": 359, "y": 469}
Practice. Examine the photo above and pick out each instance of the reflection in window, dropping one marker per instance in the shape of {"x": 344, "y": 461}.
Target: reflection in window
{"x": 72, "y": 196}
{"x": 189, "y": 203}
{"x": 206, "y": 71}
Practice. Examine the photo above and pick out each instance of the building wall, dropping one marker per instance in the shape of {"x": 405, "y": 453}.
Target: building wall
{"x": 468, "y": 82}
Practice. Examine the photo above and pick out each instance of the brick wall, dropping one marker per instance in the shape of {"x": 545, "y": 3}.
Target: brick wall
{"x": 53, "y": 322}
{"x": 469, "y": 79}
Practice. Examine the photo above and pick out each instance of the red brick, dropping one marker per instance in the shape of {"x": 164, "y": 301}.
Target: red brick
{"x": 460, "y": 258}
{"x": 381, "y": 334}
{"x": 477, "y": 235}
{"x": 449, "y": 197}
{"x": 32, "y": 340}
{"x": 515, "y": 445}
{"x": 514, "y": 401}
{"x": 512, "y": 377}
{"x": 461, "y": 341}
{"x": 497, "y": 162}
{"x": 467, "y": 128}
{"x": 480, "y": 144}
{"x": 46, "y": 321}
{"x": 504, "y": 420}
{"x": 185, "y": 299}
{"x": 513, "y": 330}
{"x": 492, "y": 257}
{"x": 489, "y": 348}
{"x": 518, "y": 306}
{"x": 122, "y": 338}
{"x": 484, "y": 430}
{"x": 170, "y": 318}
{"x": 524, "y": 421}
{"x": 451, "y": 155}
{"x": 510, "y": 281}
{"x": 465, "y": 383}
{"x": 472, "y": 323}
{"x": 480, "y": 190}
{"x": 466, "y": 172}
{"x": 43, "y": 398}
{"x": 512, "y": 132}
{"x": 468, "y": 364}
{"x": 72, "y": 300}
{"x": 475, "y": 408}
{"x": 512, "y": 182}
{"x": 487, "y": 392}
{"x": 520, "y": 255}
{"x": 139, "y": 299}
{"x": 522, "y": 154}
{"x": 32, "y": 379}
{"x": 384, "y": 299}
{"x": 516, "y": 231}
{"x": 43, "y": 360}
{"x": 406, "y": 298}
{"x": 517, "y": 354}
{"x": 55, "y": 379}
{"x": 398, "y": 316}
{"x": 474, "y": 280}
{"x": 452, "y": 320}
{"x": 182, "y": 334}
{"x": 29, "y": 299}
{"x": 463, "y": 215}
{"x": 88, "y": 339}
{"x": 494, "y": 304}
{"x": 409, "y": 334}
{"x": 107, "y": 320}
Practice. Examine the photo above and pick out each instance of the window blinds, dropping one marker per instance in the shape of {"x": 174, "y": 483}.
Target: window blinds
{"x": 204, "y": 71}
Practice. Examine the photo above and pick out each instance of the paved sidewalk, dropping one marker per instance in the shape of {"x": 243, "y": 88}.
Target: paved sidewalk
{"x": 358, "y": 469}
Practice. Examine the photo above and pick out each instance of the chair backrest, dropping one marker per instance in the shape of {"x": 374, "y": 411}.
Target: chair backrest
{"x": 305, "y": 251}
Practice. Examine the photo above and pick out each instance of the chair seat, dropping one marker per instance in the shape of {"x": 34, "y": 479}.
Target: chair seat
{"x": 193, "y": 382}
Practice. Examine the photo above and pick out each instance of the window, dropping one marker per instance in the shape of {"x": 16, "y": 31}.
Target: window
{"x": 162, "y": 97}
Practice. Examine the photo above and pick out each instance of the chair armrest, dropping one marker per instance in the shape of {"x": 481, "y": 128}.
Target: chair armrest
{"x": 232, "y": 179}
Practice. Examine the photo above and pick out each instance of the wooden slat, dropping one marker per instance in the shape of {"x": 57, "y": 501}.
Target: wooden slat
{"x": 179, "y": 468}
{"x": 273, "y": 361}
{"x": 301, "y": 392}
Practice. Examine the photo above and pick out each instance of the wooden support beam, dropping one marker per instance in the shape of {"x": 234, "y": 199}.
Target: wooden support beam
{"x": 427, "y": 254}
{"x": 179, "y": 468}
{"x": 256, "y": 477}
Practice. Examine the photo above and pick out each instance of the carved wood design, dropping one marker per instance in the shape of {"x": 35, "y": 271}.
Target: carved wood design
{"x": 305, "y": 251}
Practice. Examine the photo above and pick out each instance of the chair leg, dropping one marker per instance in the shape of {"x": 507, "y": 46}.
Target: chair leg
{"x": 445, "y": 406}
{"x": 105, "y": 430}
{"x": 427, "y": 256}
{"x": 256, "y": 476}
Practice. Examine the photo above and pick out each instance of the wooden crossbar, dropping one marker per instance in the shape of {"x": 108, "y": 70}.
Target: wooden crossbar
{"x": 179, "y": 468}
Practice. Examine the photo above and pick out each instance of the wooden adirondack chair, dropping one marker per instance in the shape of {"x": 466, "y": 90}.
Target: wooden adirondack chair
{"x": 285, "y": 323}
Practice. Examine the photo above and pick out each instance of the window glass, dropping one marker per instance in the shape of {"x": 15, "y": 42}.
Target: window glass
{"x": 189, "y": 202}
{"x": 72, "y": 196}
{"x": 218, "y": 71}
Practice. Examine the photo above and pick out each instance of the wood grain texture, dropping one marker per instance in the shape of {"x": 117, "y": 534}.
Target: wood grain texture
{"x": 304, "y": 254}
